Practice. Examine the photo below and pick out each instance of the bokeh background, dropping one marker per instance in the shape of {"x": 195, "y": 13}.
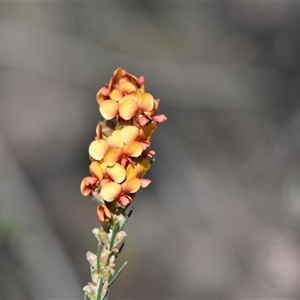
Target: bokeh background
{"x": 221, "y": 219}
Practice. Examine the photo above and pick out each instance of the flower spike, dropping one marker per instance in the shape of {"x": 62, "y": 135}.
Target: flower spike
{"x": 120, "y": 157}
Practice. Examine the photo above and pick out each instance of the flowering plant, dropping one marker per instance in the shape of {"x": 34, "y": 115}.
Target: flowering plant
{"x": 120, "y": 157}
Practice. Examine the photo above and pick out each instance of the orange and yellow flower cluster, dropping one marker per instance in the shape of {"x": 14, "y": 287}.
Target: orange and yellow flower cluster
{"x": 120, "y": 154}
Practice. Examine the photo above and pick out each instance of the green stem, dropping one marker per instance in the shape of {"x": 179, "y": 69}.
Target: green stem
{"x": 107, "y": 252}
{"x": 99, "y": 290}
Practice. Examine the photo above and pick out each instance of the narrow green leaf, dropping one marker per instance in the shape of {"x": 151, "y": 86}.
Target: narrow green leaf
{"x": 117, "y": 274}
{"x": 106, "y": 295}
{"x": 114, "y": 233}
{"x": 127, "y": 218}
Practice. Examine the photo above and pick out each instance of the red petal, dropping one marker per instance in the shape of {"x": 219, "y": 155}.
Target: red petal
{"x": 125, "y": 200}
{"x": 159, "y": 118}
{"x": 145, "y": 182}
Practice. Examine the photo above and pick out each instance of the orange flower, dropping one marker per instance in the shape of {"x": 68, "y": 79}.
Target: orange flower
{"x": 120, "y": 155}
{"x": 122, "y": 143}
{"x": 126, "y": 108}
{"x": 97, "y": 149}
{"x": 113, "y": 191}
{"x": 122, "y": 83}
{"x": 145, "y": 134}
{"x": 150, "y": 114}
{"x": 88, "y": 185}
{"x": 102, "y": 171}
{"x": 142, "y": 108}
{"x": 122, "y": 192}
{"x": 103, "y": 213}
{"x": 138, "y": 170}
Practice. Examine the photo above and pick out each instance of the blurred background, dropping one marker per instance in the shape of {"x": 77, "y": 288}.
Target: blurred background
{"x": 221, "y": 219}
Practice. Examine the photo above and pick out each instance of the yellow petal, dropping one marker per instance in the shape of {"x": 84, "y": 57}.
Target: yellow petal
{"x": 97, "y": 149}
{"x": 127, "y": 87}
{"x": 131, "y": 96}
{"x": 95, "y": 169}
{"x": 143, "y": 166}
{"x": 128, "y": 109}
{"x": 129, "y": 133}
{"x": 112, "y": 156}
{"x": 154, "y": 110}
{"x": 111, "y": 191}
{"x": 131, "y": 171}
{"x": 109, "y": 109}
{"x": 140, "y": 91}
{"x": 133, "y": 149}
{"x": 131, "y": 185}
{"x": 146, "y": 131}
{"x": 116, "y": 95}
{"x": 117, "y": 173}
{"x": 146, "y": 102}
{"x": 103, "y": 167}
{"x": 115, "y": 140}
